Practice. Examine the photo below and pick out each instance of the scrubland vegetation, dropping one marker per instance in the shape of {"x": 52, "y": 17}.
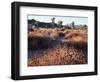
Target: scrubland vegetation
{"x": 57, "y": 46}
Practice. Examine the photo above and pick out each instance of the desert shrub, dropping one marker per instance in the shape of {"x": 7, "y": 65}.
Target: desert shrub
{"x": 67, "y": 31}
{"x": 61, "y": 34}
{"x": 76, "y": 38}
{"x": 54, "y": 35}
{"x": 38, "y": 41}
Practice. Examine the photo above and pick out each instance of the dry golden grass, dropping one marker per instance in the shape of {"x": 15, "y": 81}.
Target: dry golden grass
{"x": 73, "y": 51}
{"x": 54, "y": 34}
{"x": 36, "y": 35}
{"x": 59, "y": 56}
{"x": 77, "y": 38}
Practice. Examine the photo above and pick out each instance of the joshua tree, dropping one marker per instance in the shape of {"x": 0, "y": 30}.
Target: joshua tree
{"x": 60, "y": 23}
{"x": 36, "y": 24}
{"x": 53, "y": 22}
{"x": 33, "y": 21}
{"x": 85, "y": 25}
{"x": 73, "y": 24}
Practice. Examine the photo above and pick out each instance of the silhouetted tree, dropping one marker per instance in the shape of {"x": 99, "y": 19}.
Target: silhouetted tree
{"x": 36, "y": 23}
{"x": 60, "y": 23}
{"x": 85, "y": 25}
{"x": 53, "y": 22}
{"x": 73, "y": 24}
{"x": 32, "y": 21}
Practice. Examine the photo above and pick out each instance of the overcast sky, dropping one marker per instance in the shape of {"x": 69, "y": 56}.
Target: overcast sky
{"x": 65, "y": 19}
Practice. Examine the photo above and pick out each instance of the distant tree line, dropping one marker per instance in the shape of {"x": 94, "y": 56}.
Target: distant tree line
{"x": 52, "y": 24}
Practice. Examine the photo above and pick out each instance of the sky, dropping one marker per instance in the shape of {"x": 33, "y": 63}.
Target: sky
{"x": 66, "y": 19}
